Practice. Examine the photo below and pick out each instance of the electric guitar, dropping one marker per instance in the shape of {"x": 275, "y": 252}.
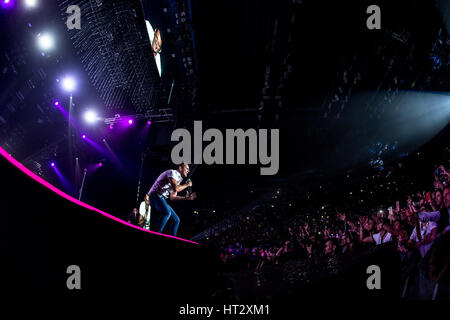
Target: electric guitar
{"x": 143, "y": 223}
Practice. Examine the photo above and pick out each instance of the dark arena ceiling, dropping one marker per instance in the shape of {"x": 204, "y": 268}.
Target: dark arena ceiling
{"x": 115, "y": 51}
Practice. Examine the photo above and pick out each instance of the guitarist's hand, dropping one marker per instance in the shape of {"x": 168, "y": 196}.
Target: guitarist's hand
{"x": 189, "y": 183}
{"x": 192, "y": 196}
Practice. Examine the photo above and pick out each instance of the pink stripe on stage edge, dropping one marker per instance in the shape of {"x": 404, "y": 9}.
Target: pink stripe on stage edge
{"x": 72, "y": 199}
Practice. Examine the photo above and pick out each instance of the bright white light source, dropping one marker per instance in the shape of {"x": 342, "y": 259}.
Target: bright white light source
{"x": 90, "y": 116}
{"x": 30, "y": 3}
{"x": 46, "y": 41}
{"x": 68, "y": 84}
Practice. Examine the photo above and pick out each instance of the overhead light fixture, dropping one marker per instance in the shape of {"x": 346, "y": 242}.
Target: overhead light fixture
{"x": 90, "y": 116}
{"x": 46, "y": 41}
{"x": 69, "y": 84}
{"x": 7, "y": 3}
{"x": 31, "y": 3}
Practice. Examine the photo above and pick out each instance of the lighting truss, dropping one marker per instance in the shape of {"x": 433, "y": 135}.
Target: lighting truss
{"x": 161, "y": 115}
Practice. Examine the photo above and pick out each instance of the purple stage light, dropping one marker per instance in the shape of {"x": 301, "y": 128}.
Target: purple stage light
{"x": 7, "y": 3}
{"x": 83, "y": 136}
{"x": 130, "y": 121}
{"x": 57, "y": 105}
{"x": 149, "y": 122}
{"x": 100, "y": 164}
{"x": 52, "y": 164}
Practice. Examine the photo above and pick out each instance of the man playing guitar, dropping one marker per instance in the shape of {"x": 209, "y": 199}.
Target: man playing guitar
{"x": 145, "y": 213}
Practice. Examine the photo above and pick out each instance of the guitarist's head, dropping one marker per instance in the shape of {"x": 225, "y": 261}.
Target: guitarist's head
{"x": 183, "y": 169}
{"x": 147, "y": 198}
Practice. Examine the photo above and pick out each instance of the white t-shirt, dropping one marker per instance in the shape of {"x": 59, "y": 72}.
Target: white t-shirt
{"x": 377, "y": 238}
{"x": 142, "y": 213}
{"x": 425, "y": 229}
{"x": 163, "y": 186}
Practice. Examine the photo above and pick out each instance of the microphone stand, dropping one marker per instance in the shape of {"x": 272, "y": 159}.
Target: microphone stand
{"x": 140, "y": 176}
{"x": 82, "y": 184}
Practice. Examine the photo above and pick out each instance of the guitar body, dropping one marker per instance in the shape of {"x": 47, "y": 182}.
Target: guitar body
{"x": 143, "y": 223}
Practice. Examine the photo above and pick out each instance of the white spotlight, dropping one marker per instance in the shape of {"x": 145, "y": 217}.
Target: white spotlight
{"x": 30, "y": 3}
{"x": 90, "y": 116}
{"x": 68, "y": 84}
{"x": 45, "y": 41}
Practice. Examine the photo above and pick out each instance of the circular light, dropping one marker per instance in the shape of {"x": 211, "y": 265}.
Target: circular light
{"x": 7, "y": 3}
{"x": 149, "y": 122}
{"x": 100, "y": 164}
{"x": 45, "y": 41}
{"x": 83, "y": 136}
{"x": 31, "y": 3}
{"x": 52, "y": 164}
{"x": 90, "y": 116}
{"x": 68, "y": 84}
{"x": 130, "y": 121}
{"x": 56, "y": 103}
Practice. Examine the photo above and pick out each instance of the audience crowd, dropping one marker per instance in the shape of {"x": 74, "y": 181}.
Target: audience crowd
{"x": 311, "y": 225}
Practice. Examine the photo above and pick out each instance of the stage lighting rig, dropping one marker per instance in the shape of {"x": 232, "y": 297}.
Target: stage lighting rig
{"x": 160, "y": 115}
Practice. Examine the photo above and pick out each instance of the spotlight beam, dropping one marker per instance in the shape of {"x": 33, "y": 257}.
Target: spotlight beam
{"x": 113, "y": 156}
{"x": 62, "y": 179}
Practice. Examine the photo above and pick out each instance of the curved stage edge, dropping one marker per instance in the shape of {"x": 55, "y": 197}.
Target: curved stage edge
{"x": 43, "y": 231}
{"x": 75, "y": 201}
